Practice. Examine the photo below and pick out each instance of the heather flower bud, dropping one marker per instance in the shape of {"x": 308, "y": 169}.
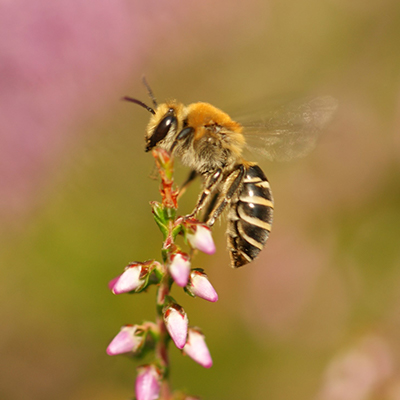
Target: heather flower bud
{"x": 197, "y": 349}
{"x": 201, "y": 239}
{"x": 147, "y": 385}
{"x": 129, "y": 339}
{"x": 180, "y": 268}
{"x": 200, "y": 286}
{"x": 134, "y": 278}
{"x": 176, "y": 322}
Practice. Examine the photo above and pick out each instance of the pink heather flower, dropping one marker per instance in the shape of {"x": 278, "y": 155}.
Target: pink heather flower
{"x": 176, "y": 322}
{"x": 197, "y": 349}
{"x": 125, "y": 341}
{"x": 201, "y": 239}
{"x": 147, "y": 385}
{"x": 128, "y": 281}
{"x": 200, "y": 286}
{"x": 180, "y": 268}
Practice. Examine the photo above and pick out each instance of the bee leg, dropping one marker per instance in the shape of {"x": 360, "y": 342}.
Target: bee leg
{"x": 192, "y": 176}
{"x": 211, "y": 183}
{"x": 229, "y": 189}
{"x": 210, "y": 207}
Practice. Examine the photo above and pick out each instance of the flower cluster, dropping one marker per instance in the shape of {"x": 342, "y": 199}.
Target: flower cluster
{"x": 172, "y": 321}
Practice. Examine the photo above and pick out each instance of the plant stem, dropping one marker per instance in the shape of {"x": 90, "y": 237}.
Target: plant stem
{"x": 162, "y": 344}
{"x": 166, "y": 222}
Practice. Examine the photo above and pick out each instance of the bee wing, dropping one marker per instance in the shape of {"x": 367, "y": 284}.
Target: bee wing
{"x": 290, "y": 131}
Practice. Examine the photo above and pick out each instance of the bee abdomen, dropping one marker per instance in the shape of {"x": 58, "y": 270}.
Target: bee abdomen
{"x": 250, "y": 218}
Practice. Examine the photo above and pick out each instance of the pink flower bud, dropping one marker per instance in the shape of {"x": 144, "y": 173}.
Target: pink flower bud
{"x": 147, "y": 385}
{"x": 176, "y": 322}
{"x": 201, "y": 239}
{"x": 131, "y": 279}
{"x": 197, "y": 349}
{"x": 180, "y": 268}
{"x": 200, "y": 286}
{"x": 125, "y": 341}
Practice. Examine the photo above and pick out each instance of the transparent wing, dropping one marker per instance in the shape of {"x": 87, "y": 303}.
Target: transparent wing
{"x": 290, "y": 131}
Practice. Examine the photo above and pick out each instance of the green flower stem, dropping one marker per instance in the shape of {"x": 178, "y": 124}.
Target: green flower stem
{"x": 164, "y": 215}
{"x": 161, "y": 351}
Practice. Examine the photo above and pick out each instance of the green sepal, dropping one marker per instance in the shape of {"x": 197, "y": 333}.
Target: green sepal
{"x": 157, "y": 209}
{"x": 150, "y": 338}
{"x": 177, "y": 230}
{"x": 163, "y": 228}
{"x": 157, "y": 275}
{"x": 159, "y": 217}
{"x": 187, "y": 287}
{"x": 188, "y": 292}
{"x": 143, "y": 286}
{"x": 150, "y": 276}
{"x": 169, "y": 213}
{"x": 162, "y": 307}
{"x": 154, "y": 335}
{"x": 184, "y": 231}
{"x": 169, "y": 300}
{"x": 164, "y": 214}
{"x": 164, "y": 254}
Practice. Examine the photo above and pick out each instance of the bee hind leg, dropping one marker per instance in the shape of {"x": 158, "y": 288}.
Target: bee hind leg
{"x": 230, "y": 187}
{"x": 211, "y": 183}
{"x": 210, "y": 207}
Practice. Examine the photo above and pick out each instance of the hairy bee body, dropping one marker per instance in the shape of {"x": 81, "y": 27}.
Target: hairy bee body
{"x": 209, "y": 142}
{"x": 210, "y": 139}
{"x": 250, "y": 217}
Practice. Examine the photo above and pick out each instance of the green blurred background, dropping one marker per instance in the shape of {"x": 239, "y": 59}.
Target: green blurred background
{"x": 317, "y": 316}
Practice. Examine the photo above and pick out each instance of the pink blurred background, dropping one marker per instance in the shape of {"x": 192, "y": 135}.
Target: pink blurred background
{"x": 317, "y": 316}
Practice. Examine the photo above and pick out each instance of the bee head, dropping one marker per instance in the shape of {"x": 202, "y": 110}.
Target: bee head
{"x": 161, "y": 128}
{"x": 163, "y": 119}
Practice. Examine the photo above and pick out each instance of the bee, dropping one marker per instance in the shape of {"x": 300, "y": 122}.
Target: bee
{"x": 211, "y": 144}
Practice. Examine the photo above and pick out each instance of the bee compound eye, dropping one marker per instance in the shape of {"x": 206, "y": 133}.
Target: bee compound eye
{"x": 161, "y": 131}
{"x": 185, "y": 132}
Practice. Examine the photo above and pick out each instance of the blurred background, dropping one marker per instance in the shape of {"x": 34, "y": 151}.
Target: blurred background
{"x": 318, "y": 315}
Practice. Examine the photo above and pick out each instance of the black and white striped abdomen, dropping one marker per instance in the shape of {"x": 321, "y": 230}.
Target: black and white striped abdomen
{"x": 250, "y": 218}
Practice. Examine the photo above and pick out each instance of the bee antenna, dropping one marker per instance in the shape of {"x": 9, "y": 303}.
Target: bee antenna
{"x": 126, "y": 98}
{"x": 150, "y": 92}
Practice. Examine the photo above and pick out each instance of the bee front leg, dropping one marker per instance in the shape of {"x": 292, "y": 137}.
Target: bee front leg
{"x": 211, "y": 183}
{"x": 228, "y": 190}
{"x": 192, "y": 176}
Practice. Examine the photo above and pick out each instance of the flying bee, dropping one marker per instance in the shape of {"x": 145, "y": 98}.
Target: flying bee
{"x": 211, "y": 144}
